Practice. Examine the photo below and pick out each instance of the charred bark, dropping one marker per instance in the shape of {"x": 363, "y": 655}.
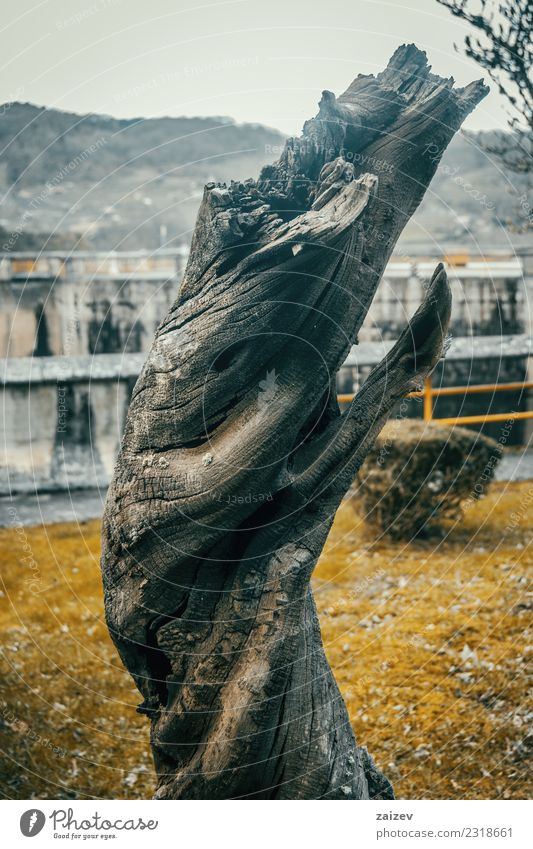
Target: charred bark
{"x": 235, "y": 456}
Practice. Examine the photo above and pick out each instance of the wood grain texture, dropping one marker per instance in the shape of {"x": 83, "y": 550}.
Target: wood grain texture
{"x": 235, "y": 457}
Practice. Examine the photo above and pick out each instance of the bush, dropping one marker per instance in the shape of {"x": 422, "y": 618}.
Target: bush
{"x": 419, "y": 474}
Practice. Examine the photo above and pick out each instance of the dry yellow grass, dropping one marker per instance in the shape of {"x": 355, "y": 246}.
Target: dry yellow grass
{"x": 428, "y": 641}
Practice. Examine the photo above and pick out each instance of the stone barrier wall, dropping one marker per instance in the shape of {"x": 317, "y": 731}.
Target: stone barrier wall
{"x": 62, "y": 418}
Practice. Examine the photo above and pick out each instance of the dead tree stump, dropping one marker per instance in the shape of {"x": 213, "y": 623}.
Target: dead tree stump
{"x": 235, "y": 457}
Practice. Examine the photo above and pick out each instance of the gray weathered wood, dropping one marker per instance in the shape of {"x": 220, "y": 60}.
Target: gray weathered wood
{"x": 235, "y": 458}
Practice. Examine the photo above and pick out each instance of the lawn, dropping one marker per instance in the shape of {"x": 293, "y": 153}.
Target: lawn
{"x": 428, "y": 641}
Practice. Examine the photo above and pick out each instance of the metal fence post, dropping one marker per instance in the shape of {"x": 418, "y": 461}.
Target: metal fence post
{"x": 428, "y": 399}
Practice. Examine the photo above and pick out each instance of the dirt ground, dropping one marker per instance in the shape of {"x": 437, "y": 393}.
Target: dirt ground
{"x": 429, "y": 642}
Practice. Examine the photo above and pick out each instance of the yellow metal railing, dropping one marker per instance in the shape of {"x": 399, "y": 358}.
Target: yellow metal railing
{"x": 428, "y": 393}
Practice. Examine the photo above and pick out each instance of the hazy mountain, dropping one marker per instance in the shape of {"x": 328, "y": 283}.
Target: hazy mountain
{"x": 472, "y": 200}
{"x": 122, "y": 183}
{"x": 114, "y": 182}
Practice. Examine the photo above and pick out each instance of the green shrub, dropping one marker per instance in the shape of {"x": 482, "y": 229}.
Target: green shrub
{"x": 419, "y": 474}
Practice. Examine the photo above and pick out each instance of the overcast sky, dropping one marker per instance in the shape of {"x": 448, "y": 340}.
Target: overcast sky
{"x": 257, "y": 61}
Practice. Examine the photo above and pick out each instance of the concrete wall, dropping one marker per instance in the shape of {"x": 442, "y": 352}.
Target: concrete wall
{"x": 62, "y": 420}
{"x": 62, "y": 415}
{"x": 488, "y": 298}
{"x": 84, "y": 304}
{"x": 61, "y": 304}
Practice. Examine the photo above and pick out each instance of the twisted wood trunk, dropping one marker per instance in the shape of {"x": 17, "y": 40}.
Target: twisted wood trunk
{"x": 235, "y": 457}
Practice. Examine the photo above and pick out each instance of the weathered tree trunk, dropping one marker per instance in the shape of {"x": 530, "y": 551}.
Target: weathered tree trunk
{"x": 235, "y": 457}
